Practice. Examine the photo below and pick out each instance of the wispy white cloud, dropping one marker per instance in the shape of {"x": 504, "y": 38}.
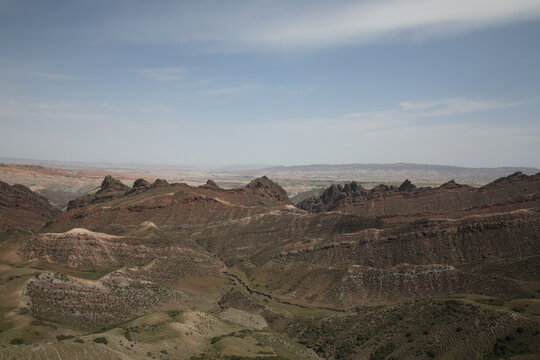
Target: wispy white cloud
{"x": 373, "y": 20}
{"x": 271, "y": 25}
{"x": 411, "y": 132}
{"x": 164, "y": 73}
{"x": 454, "y": 106}
{"x": 432, "y": 109}
{"x": 407, "y": 114}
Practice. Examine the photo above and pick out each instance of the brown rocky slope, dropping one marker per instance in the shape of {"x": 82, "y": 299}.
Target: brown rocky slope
{"x": 21, "y": 208}
{"x": 515, "y": 191}
{"x": 407, "y": 272}
{"x": 169, "y": 206}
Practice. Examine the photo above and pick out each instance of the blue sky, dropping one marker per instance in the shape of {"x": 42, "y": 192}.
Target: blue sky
{"x": 214, "y": 83}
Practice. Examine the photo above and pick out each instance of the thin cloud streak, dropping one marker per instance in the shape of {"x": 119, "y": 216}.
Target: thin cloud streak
{"x": 409, "y": 114}
{"x": 438, "y": 108}
{"x": 268, "y": 26}
{"x": 370, "y": 21}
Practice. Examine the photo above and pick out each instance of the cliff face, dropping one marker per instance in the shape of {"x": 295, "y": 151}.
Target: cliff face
{"x": 450, "y": 199}
{"x": 21, "y": 208}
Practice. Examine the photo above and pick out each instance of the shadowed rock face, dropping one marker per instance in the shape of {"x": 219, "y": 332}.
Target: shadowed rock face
{"x": 512, "y": 192}
{"x": 21, "y": 207}
{"x": 407, "y": 186}
{"x": 112, "y": 185}
{"x": 160, "y": 182}
{"x": 140, "y": 185}
{"x": 110, "y": 188}
{"x": 267, "y": 188}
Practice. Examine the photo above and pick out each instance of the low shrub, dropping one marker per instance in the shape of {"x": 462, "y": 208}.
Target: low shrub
{"x": 101, "y": 340}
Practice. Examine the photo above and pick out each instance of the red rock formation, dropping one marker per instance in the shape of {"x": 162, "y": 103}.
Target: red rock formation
{"x": 172, "y": 206}
{"x": 267, "y": 188}
{"x": 110, "y": 188}
{"x": 20, "y": 207}
{"x": 450, "y": 199}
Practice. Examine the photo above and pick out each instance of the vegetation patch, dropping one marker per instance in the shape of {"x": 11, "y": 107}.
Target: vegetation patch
{"x": 17, "y": 341}
{"x": 101, "y": 340}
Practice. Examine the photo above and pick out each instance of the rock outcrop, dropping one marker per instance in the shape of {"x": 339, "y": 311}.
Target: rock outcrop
{"x": 140, "y": 185}
{"x": 160, "y": 182}
{"x": 111, "y": 185}
{"x": 512, "y": 192}
{"x": 110, "y": 188}
{"x": 407, "y": 186}
{"x": 265, "y": 187}
{"x": 20, "y": 207}
{"x": 182, "y": 205}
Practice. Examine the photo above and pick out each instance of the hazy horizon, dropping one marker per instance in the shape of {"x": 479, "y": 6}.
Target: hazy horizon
{"x": 232, "y": 167}
{"x": 210, "y": 84}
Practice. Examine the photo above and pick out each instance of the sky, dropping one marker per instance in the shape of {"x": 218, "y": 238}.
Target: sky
{"x": 216, "y": 83}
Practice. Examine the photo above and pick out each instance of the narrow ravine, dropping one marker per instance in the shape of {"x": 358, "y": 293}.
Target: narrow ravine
{"x": 235, "y": 279}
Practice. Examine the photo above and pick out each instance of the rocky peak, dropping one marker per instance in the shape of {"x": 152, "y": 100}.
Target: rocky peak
{"x": 211, "y": 183}
{"x": 517, "y": 176}
{"x": 356, "y": 186}
{"x": 331, "y": 194}
{"x": 517, "y": 179}
{"x": 337, "y": 192}
{"x": 353, "y": 186}
{"x": 111, "y": 184}
{"x": 450, "y": 185}
{"x": 265, "y": 187}
{"x": 141, "y": 184}
{"x": 407, "y": 186}
{"x": 110, "y": 188}
{"x": 160, "y": 182}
